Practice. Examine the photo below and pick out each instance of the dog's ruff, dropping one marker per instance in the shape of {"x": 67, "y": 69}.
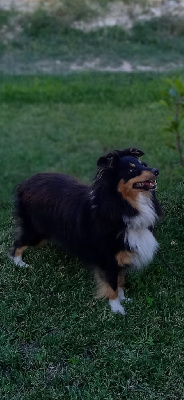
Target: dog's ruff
{"x": 139, "y": 238}
{"x": 147, "y": 215}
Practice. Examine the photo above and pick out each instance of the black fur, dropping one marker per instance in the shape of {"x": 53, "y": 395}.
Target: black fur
{"x": 87, "y": 220}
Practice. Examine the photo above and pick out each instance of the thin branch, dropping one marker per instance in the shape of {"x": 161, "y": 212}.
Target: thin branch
{"x": 178, "y": 135}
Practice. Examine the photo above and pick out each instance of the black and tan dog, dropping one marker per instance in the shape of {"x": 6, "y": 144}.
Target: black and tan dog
{"x": 108, "y": 224}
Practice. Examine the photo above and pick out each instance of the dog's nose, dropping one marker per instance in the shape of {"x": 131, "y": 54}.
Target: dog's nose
{"x": 155, "y": 171}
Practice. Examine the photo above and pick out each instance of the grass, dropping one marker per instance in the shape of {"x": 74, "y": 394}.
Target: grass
{"x": 56, "y": 341}
{"x": 120, "y": 106}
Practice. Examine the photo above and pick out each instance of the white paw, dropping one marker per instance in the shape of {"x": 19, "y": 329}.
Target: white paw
{"x": 18, "y": 261}
{"x": 23, "y": 264}
{"x": 121, "y": 294}
{"x": 116, "y": 306}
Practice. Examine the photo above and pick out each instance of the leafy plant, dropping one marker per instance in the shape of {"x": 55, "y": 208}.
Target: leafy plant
{"x": 174, "y": 101}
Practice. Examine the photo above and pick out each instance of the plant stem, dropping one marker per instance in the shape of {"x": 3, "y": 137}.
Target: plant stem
{"x": 178, "y": 136}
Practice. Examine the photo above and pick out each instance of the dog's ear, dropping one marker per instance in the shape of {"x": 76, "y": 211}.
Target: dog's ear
{"x": 131, "y": 151}
{"x": 109, "y": 161}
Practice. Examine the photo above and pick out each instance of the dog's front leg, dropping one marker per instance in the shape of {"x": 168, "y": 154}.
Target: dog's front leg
{"x": 107, "y": 281}
{"x": 115, "y": 297}
{"x": 124, "y": 260}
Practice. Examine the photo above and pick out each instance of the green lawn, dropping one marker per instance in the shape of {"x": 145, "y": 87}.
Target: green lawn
{"x": 56, "y": 341}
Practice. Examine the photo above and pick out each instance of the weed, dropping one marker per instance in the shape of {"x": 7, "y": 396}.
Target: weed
{"x": 174, "y": 100}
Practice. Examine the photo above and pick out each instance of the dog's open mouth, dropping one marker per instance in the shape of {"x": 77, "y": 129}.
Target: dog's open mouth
{"x": 146, "y": 185}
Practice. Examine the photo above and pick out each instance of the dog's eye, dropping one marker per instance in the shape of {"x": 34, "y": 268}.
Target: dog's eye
{"x": 133, "y": 168}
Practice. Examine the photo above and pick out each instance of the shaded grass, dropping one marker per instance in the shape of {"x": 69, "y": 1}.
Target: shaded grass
{"x": 56, "y": 341}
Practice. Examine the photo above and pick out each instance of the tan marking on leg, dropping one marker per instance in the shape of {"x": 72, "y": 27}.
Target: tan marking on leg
{"x": 19, "y": 251}
{"x": 124, "y": 258}
{"x": 103, "y": 289}
{"x": 111, "y": 294}
{"x": 121, "y": 279}
{"x": 42, "y": 243}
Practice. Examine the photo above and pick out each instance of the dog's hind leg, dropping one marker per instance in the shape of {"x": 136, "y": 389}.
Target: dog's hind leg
{"x": 15, "y": 254}
{"x": 25, "y": 240}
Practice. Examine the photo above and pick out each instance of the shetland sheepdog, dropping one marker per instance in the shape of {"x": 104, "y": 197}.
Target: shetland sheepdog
{"x": 108, "y": 224}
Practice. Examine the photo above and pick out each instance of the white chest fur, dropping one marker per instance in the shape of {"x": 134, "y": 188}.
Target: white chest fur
{"x": 143, "y": 245}
{"x": 139, "y": 238}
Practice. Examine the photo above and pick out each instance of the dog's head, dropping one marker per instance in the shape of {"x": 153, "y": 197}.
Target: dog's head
{"x": 131, "y": 174}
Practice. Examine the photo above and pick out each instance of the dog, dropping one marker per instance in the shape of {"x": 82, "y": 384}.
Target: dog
{"x": 108, "y": 224}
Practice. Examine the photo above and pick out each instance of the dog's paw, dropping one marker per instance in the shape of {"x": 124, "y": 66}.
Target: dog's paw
{"x": 18, "y": 261}
{"x": 21, "y": 263}
{"x": 116, "y": 306}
